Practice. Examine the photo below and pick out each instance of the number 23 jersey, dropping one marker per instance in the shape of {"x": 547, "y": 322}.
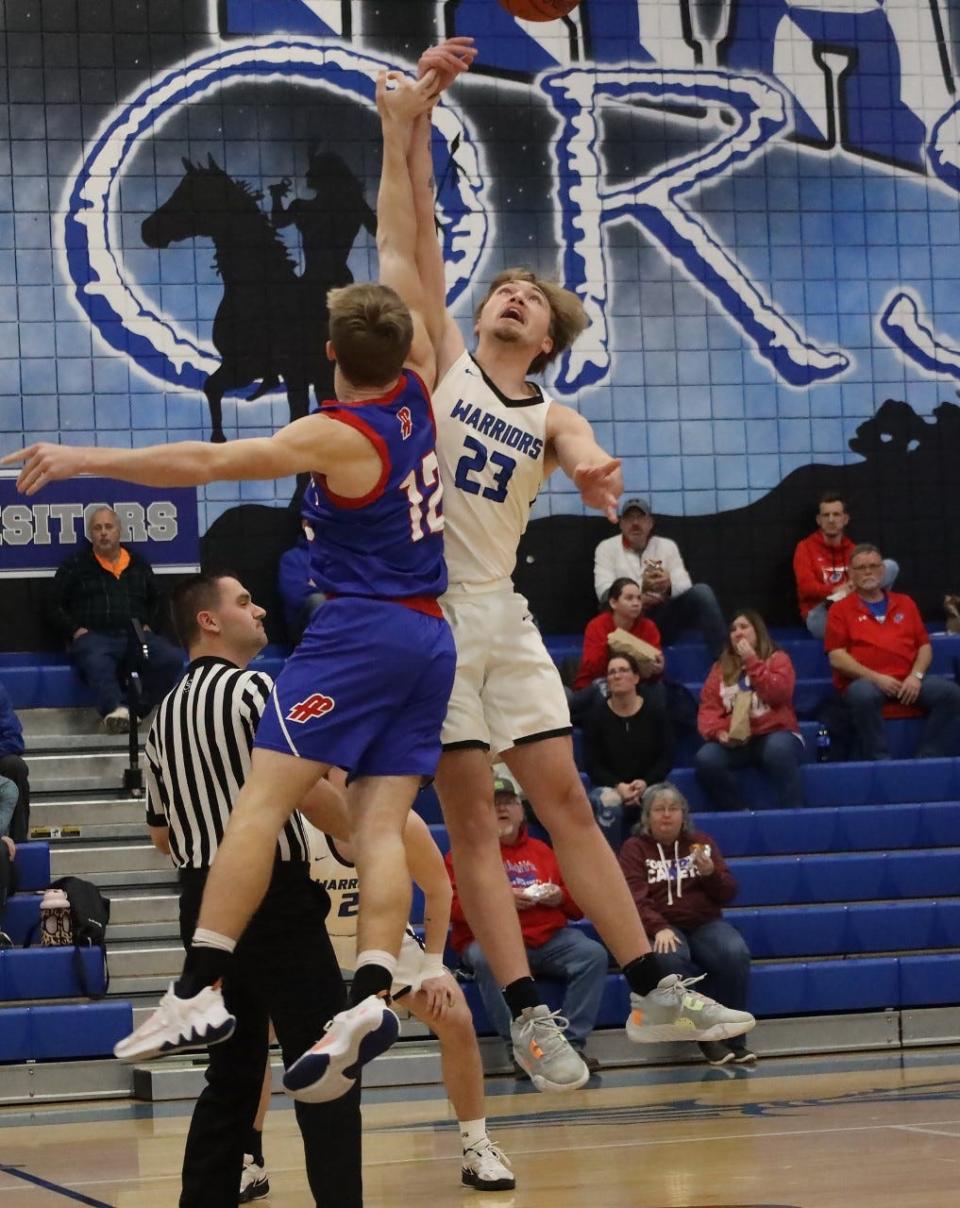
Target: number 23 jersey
{"x": 491, "y": 453}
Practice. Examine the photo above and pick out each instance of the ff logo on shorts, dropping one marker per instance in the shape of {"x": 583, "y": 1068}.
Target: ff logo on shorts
{"x": 314, "y": 706}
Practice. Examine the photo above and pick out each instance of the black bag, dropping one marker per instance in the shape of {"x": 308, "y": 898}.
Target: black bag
{"x": 90, "y": 912}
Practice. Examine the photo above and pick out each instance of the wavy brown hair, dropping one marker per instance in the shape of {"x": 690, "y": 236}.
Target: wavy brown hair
{"x": 730, "y": 665}
{"x": 567, "y": 316}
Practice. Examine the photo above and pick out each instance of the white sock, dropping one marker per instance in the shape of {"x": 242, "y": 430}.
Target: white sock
{"x": 375, "y": 956}
{"x": 472, "y": 1132}
{"x": 212, "y": 939}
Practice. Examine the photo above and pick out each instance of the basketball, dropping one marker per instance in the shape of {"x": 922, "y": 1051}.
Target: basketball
{"x": 539, "y": 10}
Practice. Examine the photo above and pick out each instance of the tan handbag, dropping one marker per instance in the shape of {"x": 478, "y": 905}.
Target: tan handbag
{"x": 620, "y": 641}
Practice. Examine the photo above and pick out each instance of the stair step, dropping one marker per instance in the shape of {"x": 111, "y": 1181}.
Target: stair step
{"x": 128, "y": 909}
{"x": 168, "y": 931}
{"x": 126, "y": 858}
{"x": 157, "y": 960}
{"x": 86, "y": 811}
{"x": 153, "y": 985}
{"x": 75, "y": 771}
{"x": 43, "y": 727}
{"x": 124, "y": 878}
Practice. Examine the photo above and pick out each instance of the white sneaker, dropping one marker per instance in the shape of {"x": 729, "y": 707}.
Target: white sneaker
{"x": 350, "y": 1040}
{"x": 254, "y": 1184}
{"x": 117, "y": 721}
{"x": 541, "y": 1049}
{"x": 486, "y": 1168}
{"x": 673, "y": 1011}
{"x": 178, "y": 1024}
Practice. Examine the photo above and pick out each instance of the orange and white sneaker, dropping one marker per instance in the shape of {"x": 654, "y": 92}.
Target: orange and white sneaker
{"x": 674, "y": 1011}
{"x": 179, "y": 1024}
{"x": 350, "y": 1040}
{"x": 540, "y": 1048}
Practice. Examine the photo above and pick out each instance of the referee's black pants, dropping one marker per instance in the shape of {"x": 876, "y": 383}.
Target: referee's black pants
{"x": 284, "y": 970}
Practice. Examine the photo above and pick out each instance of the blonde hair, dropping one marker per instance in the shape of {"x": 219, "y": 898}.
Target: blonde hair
{"x": 371, "y": 331}
{"x": 567, "y": 316}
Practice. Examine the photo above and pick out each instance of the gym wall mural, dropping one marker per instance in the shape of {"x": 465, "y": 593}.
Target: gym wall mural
{"x": 757, "y": 201}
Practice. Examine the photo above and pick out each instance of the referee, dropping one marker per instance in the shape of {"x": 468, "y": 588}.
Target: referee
{"x": 197, "y": 755}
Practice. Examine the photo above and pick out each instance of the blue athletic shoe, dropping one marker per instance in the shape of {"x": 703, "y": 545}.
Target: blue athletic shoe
{"x": 351, "y": 1039}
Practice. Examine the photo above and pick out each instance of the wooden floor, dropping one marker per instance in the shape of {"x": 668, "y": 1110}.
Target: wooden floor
{"x": 877, "y": 1131}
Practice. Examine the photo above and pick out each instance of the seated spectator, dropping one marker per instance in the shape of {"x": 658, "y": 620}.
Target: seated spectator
{"x": 624, "y": 611}
{"x": 880, "y": 654}
{"x": 9, "y": 794}
{"x": 13, "y": 766}
{"x": 300, "y": 595}
{"x": 97, "y": 593}
{"x": 670, "y": 599}
{"x": 545, "y": 907}
{"x": 680, "y": 881}
{"x": 628, "y": 746}
{"x": 821, "y": 563}
{"x": 8, "y": 880}
{"x": 763, "y": 731}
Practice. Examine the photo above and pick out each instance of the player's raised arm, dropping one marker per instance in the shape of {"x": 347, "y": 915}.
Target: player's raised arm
{"x": 400, "y": 101}
{"x": 572, "y": 446}
{"x": 314, "y": 443}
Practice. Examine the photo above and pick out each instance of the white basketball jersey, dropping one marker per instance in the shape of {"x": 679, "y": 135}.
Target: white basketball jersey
{"x": 491, "y": 453}
{"x": 339, "y": 878}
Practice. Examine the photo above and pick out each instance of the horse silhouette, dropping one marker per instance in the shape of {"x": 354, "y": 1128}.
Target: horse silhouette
{"x": 269, "y": 326}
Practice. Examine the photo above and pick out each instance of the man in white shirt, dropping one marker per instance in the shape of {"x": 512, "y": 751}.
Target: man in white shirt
{"x": 670, "y": 599}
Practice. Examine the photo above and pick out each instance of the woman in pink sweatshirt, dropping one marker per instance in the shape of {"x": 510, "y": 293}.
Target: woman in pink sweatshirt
{"x": 750, "y": 663}
{"x": 680, "y": 882}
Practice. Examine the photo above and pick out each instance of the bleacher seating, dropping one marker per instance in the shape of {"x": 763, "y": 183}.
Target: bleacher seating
{"x": 46, "y": 973}
{"x": 63, "y": 1032}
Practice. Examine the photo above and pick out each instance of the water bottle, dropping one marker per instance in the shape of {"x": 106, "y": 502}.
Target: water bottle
{"x": 823, "y": 744}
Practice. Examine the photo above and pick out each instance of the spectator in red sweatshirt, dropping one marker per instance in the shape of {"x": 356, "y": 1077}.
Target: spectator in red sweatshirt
{"x": 880, "y": 654}
{"x": 750, "y": 663}
{"x": 821, "y": 564}
{"x": 680, "y": 881}
{"x": 545, "y": 907}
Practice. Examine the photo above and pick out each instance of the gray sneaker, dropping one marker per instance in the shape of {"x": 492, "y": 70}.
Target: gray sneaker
{"x": 675, "y": 1012}
{"x": 540, "y": 1048}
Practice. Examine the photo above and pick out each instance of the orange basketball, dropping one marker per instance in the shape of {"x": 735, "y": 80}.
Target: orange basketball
{"x": 539, "y": 10}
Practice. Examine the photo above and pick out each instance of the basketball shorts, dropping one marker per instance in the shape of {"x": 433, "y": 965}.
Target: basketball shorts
{"x": 365, "y": 690}
{"x": 507, "y": 688}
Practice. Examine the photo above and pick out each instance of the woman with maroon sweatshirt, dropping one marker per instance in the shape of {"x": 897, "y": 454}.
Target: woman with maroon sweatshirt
{"x": 750, "y": 662}
{"x": 679, "y": 881}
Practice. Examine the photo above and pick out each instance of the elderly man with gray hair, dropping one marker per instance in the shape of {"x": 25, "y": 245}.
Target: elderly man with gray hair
{"x": 97, "y": 593}
{"x": 680, "y": 881}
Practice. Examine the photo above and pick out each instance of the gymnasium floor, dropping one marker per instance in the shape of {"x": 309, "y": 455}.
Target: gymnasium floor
{"x": 877, "y": 1130}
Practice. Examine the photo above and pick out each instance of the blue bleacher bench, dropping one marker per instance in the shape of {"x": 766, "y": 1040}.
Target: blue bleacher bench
{"x": 62, "y": 1033}
{"x": 48, "y": 973}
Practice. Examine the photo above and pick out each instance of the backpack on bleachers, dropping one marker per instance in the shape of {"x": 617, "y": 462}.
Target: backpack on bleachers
{"x": 90, "y": 913}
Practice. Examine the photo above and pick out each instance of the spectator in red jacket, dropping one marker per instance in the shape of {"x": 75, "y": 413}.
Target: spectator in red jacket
{"x": 624, "y": 611}
{"x": 821, "y": 564}
{"x": 680, "y": 881}
{"x": 545, "y": 907}
{"x": 750, "y": 662}
{"x": 880, "y": 654}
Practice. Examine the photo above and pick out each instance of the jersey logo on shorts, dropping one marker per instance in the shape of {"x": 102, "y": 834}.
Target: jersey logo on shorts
{"x": 406, "y": 422}
{"x": 314, "y": 706}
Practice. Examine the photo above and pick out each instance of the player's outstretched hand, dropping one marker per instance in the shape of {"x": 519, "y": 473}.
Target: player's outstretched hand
{"x": 600, "y": 486}
{"x": 448, "y": 59}
{"x": 401, "y": 99}
{"x": 43, "y": 463}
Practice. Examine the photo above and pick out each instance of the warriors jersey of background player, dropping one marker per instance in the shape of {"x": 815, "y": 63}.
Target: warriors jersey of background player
{"x": 498, "y": 437}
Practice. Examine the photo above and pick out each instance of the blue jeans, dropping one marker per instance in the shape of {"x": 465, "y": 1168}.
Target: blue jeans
{"x": 696, "y": 608}
{"x": 608, "y": 811}
{"x": 817, "y": 616}
{"x": 778, "y": 754}
{"x": 939, "y": 698}
{"x": 98, "y": 656}
{"x": 568, "y": 956}
{"x": 720, "y": 951}
{"x": 9, "y": 795}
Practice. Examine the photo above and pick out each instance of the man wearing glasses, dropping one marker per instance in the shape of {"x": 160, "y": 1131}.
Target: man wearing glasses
{"x": 880, "y": 654}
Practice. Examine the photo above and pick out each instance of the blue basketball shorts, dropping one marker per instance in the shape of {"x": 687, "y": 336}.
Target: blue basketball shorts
{"x": 365, "y": 690}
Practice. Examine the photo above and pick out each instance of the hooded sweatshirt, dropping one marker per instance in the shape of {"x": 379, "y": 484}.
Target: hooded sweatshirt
{"x": 666, "y": 886}
{"x": 819, "y": 569}
{"x": 527, "y": 862}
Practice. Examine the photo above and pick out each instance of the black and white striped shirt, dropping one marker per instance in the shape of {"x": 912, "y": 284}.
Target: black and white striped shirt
{"x": 198, "y": 756}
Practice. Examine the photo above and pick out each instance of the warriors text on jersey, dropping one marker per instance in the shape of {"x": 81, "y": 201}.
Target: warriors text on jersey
{"x": 387, "y": 544}
{"x": 491, "y": 452}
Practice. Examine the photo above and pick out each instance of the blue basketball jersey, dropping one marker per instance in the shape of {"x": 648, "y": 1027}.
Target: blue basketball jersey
{"x": 389, "y": 543}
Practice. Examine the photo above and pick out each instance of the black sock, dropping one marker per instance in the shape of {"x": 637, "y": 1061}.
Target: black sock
{"x": 255, "y": 1146}
{"x": 643, "y": 973}
{"x": 369, "y": 979}
{"x": 203, "y": 967}
{"x": 521, "y": 994}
